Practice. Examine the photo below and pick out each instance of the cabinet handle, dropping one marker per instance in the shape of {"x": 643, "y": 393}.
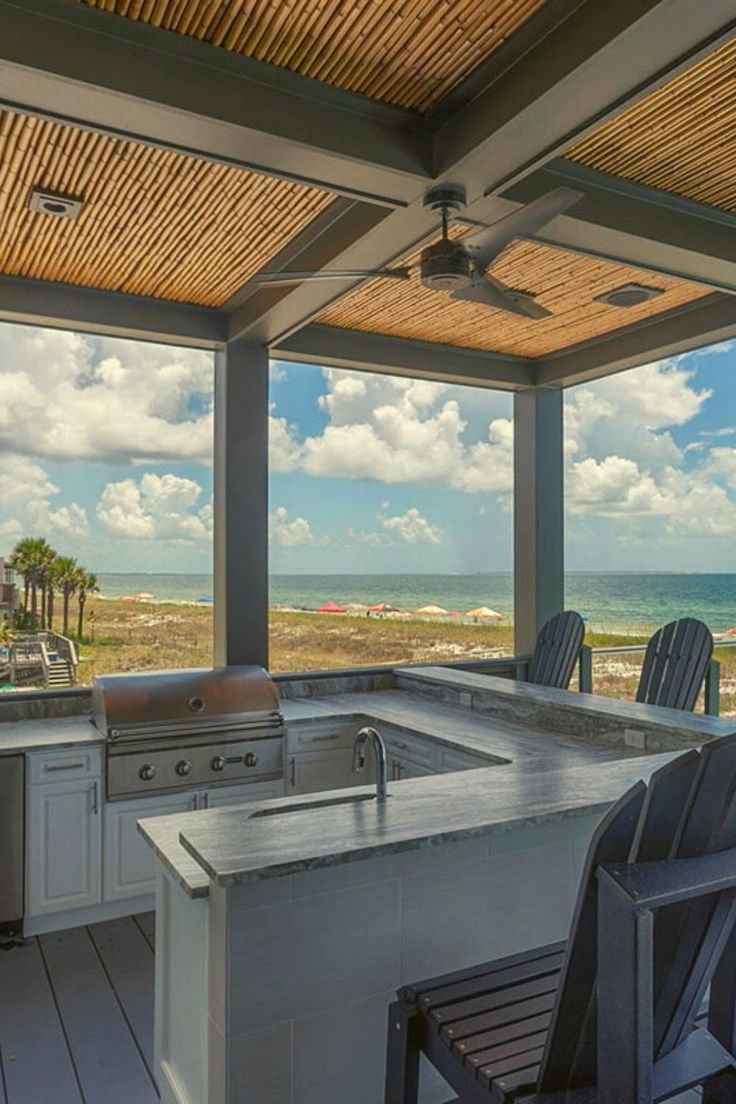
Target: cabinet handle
{"x": 65, "y": 767}
{"x": 292, "y": 771}
{"x": 95, "y": 798}
{"x": 195, "y": 801}
{"x": 398, "y": 770}
{"x": 327, "y": 736}
{"x": 205, "y": 800}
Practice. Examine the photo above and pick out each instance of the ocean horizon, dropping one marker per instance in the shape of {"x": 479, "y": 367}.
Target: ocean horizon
{"x": 647, "y": 599}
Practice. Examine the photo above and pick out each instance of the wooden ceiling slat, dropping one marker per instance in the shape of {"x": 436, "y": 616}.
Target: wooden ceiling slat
{"x": 154, "y": 222}
{"x": 680, "y": 139}
{"x": 566, "y": 283}
{"x": 407, "y": 52}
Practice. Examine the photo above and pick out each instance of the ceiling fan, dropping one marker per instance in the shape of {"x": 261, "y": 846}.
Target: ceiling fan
{"x": 460, "y": 266}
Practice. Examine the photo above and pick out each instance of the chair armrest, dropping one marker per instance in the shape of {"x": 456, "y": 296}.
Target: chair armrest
{"x": 656, "y": 884}
{"x": 521, "y": 663}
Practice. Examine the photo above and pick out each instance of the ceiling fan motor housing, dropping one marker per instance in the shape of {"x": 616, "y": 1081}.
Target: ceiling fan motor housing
{"x": 445, "y": 266}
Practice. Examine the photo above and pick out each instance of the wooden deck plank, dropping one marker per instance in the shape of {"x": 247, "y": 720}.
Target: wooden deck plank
{"x": 128, "y": 961}
{"x": 37, "y": 1066}
{"x": 108, "y": 1063}
{"x": 146, "y": 921}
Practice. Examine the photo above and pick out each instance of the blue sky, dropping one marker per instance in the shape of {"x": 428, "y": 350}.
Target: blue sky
{"x": 106, "y": 450}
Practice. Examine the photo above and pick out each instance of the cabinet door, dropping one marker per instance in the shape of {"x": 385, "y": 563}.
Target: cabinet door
{"x": 129, "y": 866}
{"x": 63, "y": 864}
{"x": 240, "y": 795}
{"x": 313, "y": 771}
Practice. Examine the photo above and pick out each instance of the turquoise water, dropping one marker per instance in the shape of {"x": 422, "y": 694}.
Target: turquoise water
{"x": 609, "y": 601}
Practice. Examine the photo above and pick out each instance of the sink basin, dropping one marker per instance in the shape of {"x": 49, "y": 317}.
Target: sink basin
{"x": 323, "y": 803}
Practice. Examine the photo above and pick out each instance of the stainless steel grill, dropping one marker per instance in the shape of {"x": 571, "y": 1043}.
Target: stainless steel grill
{"x": 178, "y": 730}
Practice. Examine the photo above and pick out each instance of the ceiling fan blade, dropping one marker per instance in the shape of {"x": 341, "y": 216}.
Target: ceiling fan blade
{"x": 485, "y": 245}
{"x": 488, "y": 292}
{"x": 273, "y": 279}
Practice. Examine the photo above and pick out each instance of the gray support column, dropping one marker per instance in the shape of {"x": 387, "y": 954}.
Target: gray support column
{"x": 241, "y": 505}
{"x": 538, "y": 513}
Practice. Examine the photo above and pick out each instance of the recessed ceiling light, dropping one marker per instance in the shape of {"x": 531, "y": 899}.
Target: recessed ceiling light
{"x": 54, "y": 203}
{"x": 629, "y": 295}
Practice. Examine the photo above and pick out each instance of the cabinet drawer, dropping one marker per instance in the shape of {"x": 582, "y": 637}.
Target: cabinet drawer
{"x": 452, "y": 760}
{"x": 412, "y": 748}
{"x": 315, "y": 737}
{"x": 240, "y": 795}
{"x": 64, "y": 766}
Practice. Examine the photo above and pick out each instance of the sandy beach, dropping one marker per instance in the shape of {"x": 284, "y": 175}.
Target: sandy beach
{"x": 144, "y": 635}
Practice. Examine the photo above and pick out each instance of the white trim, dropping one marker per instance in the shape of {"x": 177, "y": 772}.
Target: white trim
{"x": 95, "y": 914}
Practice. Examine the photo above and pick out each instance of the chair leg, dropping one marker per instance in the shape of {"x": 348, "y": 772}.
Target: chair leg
{"x": 402, "y": 1054}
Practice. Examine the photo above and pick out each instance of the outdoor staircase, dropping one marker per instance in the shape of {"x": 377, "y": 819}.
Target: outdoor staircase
{"x": 59, "y": 674}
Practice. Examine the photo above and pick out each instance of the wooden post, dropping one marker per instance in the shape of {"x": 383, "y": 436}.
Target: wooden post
{"x": 241, "y": 505}
{"x": 538, "y": 513}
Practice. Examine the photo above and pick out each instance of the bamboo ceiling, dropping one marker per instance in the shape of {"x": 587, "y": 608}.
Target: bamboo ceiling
{"x": 681, "y": 138}
{"x": 406, "y": 52}
{"x": 566, "y": 283}
{"x": 154, "y": 222}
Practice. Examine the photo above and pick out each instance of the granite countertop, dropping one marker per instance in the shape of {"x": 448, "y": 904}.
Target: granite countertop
{"x": 236, "y": 844}
{"x": 17, "y": 737}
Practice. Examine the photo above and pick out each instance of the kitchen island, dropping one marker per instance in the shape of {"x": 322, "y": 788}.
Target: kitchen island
{"x": 285, "y": 927}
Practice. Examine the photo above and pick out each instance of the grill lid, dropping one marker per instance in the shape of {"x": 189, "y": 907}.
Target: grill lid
{"x": 199, "y": 698}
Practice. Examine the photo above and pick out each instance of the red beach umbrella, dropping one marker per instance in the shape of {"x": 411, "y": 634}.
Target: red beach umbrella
{"x": 332, "y": 607}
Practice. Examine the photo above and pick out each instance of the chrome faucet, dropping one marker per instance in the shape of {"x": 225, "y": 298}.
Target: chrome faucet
{"x": 372, "y": 736}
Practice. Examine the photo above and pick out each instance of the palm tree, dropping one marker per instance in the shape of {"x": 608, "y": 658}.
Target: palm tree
{"x": 46, "y": 557}
{"x": 86, "y": 585}
{"x": 53, "y": 584}
{"x": 21, "y": 560}
{"x": 67, "y": 581}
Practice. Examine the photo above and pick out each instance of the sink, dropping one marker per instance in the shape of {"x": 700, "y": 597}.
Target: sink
{"x": 323, "y": 803}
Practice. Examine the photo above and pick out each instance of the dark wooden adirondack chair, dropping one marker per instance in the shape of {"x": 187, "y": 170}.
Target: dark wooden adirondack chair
{"x": 675, "y": 664}
{"x": 557, "y": 650}
{"x": 613, "y": 1016}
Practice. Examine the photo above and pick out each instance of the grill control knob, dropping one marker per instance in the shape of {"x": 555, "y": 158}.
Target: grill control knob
{"x": 250, "y": 759}
{"x": 147, "y": 773}
{"x": 183, "y": 767}
{"x": 218, "y": 763}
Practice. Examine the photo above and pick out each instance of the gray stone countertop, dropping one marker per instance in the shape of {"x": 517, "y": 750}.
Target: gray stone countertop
{"x": 239, "y": 844}
{"x": 57, "y": 732}
{"x": 459, "y": 728}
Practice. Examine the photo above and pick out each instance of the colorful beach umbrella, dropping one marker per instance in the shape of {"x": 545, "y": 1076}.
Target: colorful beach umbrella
{"x": 381, "y": 607}
{"x": 332, "y": 607}
{"x": 484, "y": 611}
{"x": 357, "y": 607}
{"x": 433, "y": 611}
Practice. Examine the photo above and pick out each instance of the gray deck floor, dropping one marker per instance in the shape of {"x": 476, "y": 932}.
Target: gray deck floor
{"x": 76, "y": 1016}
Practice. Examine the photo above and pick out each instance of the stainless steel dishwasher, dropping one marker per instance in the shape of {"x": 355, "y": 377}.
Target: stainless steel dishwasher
{"x": 12, "y": 836}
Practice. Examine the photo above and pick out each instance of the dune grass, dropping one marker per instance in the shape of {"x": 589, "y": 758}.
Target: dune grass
{"x": 124, "y": 636}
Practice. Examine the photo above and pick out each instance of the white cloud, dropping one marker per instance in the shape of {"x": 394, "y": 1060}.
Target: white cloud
{"x": 412, "y": 528}
{"x": 26, "y": 504}
{"x": 73, "y": 396}
{"x": 288, "y": 534}
{"x": 155, "y": 507}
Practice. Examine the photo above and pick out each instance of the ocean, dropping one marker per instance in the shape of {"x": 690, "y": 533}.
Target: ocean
{"x": 613, "y": 601}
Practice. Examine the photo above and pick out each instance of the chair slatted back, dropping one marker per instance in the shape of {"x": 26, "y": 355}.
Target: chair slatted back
{"x": 557, "y": 650}
{"x": 675, "y": 664}
{"x": 570, "y": 1058}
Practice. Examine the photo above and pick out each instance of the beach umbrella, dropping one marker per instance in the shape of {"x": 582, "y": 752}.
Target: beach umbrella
{"x": 484, "y": 611}
{"x": 145, "y": 597}
{"x": 332, "y": 607}
{"x": 455, "y": 614}
{"x": 357, "y": 607}
{"x": 434, "y": 611}
{"x": 381, "y": 607}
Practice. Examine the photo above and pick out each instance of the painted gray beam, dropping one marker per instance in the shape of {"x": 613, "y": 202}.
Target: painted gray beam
{"x": 68, "y": 307}
{"x": 628, "y": 222}
{"x": 65, "y": 60}
{"x": 694, "y": 326}
{"x": 335, "y": 347}
{"x": 538, "y": 513}
{"x": 241, "y": 505}
{"x": 595, "y": 62}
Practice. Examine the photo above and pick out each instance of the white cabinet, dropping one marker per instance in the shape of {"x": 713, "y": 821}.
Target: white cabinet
{"x": 63, "y": 855}
{"x": 327, "y": 769}
{"x": 129, "y": 868}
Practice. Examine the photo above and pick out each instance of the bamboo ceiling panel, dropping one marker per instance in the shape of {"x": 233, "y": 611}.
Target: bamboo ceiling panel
{"x": 681, "y": 138}
{"x": 406, "y": 52}
{"x": 566, "y": 283}
{"x": 154, "y": 222}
